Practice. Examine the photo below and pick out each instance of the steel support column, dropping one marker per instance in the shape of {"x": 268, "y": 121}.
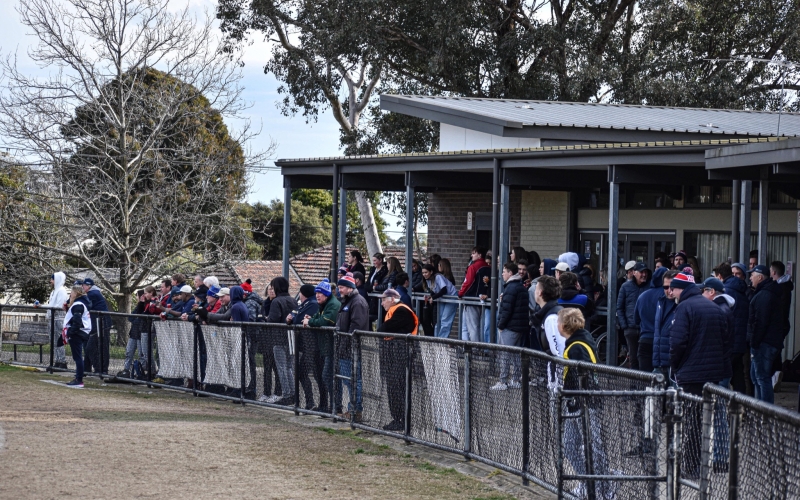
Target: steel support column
{"x": 744, "y": 221}
{"x": 763, "y": 216}
{"x": 335, "y": 225}
{"x": 409, "y": 224}
{"x": 343, "y": 224}
{"x": 505, "y": 229}
{"x": 613, "y": 238}
{"x": 287, "y": 225}
{"x": 495, "y": 250}
{"x": 736, "y": 196}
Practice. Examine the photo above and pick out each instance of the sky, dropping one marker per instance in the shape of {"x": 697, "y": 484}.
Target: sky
{"x": 294, "y": 137}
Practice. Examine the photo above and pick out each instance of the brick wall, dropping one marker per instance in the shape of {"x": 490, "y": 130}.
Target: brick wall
{"x": 544, "y": 222}
{"x": 447, "y": 223}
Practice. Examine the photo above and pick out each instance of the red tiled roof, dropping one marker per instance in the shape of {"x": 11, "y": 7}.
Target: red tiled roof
{"x": 261, "y": 272}
{"x": 313, "y": 266}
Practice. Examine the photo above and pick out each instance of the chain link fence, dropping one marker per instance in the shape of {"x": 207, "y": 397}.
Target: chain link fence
{"x": 580, "y": 430}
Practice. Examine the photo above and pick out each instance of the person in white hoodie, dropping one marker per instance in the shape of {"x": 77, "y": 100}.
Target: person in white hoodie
{"x": 58, "y": 297}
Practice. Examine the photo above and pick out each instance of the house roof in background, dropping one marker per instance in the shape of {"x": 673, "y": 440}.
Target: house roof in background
{"x": 511, "y": 117}
{"x": 261, "y": 273}
{"x": 313, "y": 266}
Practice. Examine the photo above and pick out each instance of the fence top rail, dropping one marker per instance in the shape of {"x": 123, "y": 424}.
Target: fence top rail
{"x": 767, "y": 409}
{"x": 653, "y": 378}
{"x": 26, "y": 307}
{"x": 447, "y": 299}
{"x": 275, "y": 325}
{"x": 126, "y": 315}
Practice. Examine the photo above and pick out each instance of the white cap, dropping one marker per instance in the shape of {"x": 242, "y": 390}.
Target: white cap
{"x": 224, "y": 291}
{"x": 562, "y": 267}
{"x": 186, "y": 289}
{"x": 629, "y": 265}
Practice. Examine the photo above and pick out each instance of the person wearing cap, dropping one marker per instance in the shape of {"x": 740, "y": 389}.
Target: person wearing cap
{"x": 714, "y": 290}
{"x": 698, "y": 337}
{"x": 401, "y": 319}
{"x": 764, "y": 331}
{"x": 92, "y": 354}
{"x": 679, "y": 262}
{"x": 561, "y": 267}
{"x": 626, "y": 309}
{"x": 182, "y": 305}
{"x": 737, "y": 289}
{"x": 222, "y": 306}
{"x": 353, "y": 315}
{"x": 621, "y": 280}
{"x": 325, "y": 317}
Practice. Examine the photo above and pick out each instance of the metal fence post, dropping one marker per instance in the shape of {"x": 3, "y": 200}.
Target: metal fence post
{"x": 409, "y": 346}
{"x": 671, "y": 420}
{"x": 735, "y": 412}
{"x": 243, "y": 365}
{"x": 150, "y": 353}
{"x": 52, "y": 339}
{"x": 706, "y": 449}
{"x": 354, "y": 377}
{"x": 296, "y": 358}
{"x": 467, "y": 392}
{"x": 195, "y": 354}
{"x": 560, "y": 440}
{"x": 583, "y": 383}
{"x": 526, "y": 415}
{"x": 99, "y": 324}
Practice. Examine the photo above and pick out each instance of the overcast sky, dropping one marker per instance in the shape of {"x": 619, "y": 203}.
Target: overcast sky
{"x": 295, "y": 138}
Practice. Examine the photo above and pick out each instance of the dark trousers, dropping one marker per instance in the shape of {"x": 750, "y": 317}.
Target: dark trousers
{"x": 311, "y": 363}
{"x": 632, "y": 339}
{"x": 645, "y": 356}
{"x": 267, "y": 343}
{"x": 77, "y": 345}
{"x": 740, "y": 381}
{"x": 326, "y": 389}
{"x": 693, "y": 433}
{"x": 394, "y": 357}
{"x": 202, "y": 351}
{"x": 92, "y": 356}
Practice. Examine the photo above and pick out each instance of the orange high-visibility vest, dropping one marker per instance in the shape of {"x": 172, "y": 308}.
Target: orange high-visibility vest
{"x": 394, "y": 307}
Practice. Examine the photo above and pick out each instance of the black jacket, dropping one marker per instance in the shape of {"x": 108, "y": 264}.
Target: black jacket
{"x": 402, "y": 321}
{"x": 786, "y": 304}
{"x": 697, "y": 340}
{"x": 765, "y": 323}
{"x": 626, "y": 303}
{"x": 513, "y": 314}
{"x": 736, "y": 288}
{"x": 726, "y": 303}
{"x": 578, "y": 353}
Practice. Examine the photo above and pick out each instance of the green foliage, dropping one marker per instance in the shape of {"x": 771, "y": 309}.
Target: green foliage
{"x": 309, "y": 230}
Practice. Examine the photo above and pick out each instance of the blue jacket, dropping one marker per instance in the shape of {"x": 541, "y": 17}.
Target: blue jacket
{"x": 98, "y": 303}
{"x": 737, "y": 289}
{"x": 405, "y": 298}
{"x": 239, "y": 311}
{"x": 665, "y": 311}
{"x": 309, "y": 306}
{"x": 766, "y": 322}
{"x": 646, "y": 304}
{"x": 697, "y": 340}
{"x": 513, "y": 314}
{"x": 626, "y": 303}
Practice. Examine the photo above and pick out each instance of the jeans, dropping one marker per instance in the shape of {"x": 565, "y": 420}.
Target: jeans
{"x": 59, "y": 353}
{"x": 507, "y": 337}
{"x": 344, "y": 370}
{"x": 487, "y": 325}
{"x": 77, "y": 345}
{"x": 130, "y": 351}
{"x": 632, "y": 339}
{"x": 470, "y": 324}
{"x": 284, "y": 362}
{"x": 575, "y": 452}
{"x": 444, "y": 320}
{"x": 761, "y": 360}
{"x": 645, "y": 356}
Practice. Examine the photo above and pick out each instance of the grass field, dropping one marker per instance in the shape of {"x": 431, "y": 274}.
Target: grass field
{"x": 121, "y": 441}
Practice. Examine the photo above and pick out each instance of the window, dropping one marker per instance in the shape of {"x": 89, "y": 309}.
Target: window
{"x": 712, "y": 248}
{"x": 720, "y": 197}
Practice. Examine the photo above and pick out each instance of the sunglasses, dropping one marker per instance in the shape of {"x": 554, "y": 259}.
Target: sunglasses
{"x": 666, "y": 287}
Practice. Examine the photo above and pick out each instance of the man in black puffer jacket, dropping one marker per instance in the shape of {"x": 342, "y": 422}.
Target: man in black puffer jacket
{"x": 697, "y": 339}
{"x": 626, "y": 309}
{"x": 740, "y": 357}
{"x": 512, "y": 324}
{"x": 764, "y": 331}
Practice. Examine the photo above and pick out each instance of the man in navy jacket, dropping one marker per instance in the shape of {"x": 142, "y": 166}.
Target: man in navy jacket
{"x": 740, "y": 362}
{"x": 92, "y": 356}
{"x": 697, "y": 337}
{"x": 764, "y": 331}
{"x": 645, "y": 318}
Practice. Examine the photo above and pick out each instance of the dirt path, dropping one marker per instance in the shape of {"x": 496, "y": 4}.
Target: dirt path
{"x": 119, "y": 441}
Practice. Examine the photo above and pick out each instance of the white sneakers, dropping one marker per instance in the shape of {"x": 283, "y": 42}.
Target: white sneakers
{"x": 268, "y": 399}
{"x": 502, "y": 386}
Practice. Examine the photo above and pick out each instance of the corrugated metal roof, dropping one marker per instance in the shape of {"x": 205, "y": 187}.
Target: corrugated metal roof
{"x": 570, "y": 147}
{"x": 521, "y": 113}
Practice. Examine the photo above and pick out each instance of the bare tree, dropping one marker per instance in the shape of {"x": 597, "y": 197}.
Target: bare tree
{"x": 128, "y": 128}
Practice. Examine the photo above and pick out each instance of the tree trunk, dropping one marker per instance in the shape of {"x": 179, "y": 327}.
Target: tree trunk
{"x": 368, "y": 224}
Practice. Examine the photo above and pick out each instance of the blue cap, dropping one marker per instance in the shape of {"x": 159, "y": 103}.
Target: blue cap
{"x": 714, "y": 284}
{"x": 213, "y": 291}
{"x": 175, "y": 290}
{"x": 760, "y": 269}
{"x": 88, "y": 281}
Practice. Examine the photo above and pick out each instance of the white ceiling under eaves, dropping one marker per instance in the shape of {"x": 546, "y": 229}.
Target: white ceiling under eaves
{"x": 517, "y": 113}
